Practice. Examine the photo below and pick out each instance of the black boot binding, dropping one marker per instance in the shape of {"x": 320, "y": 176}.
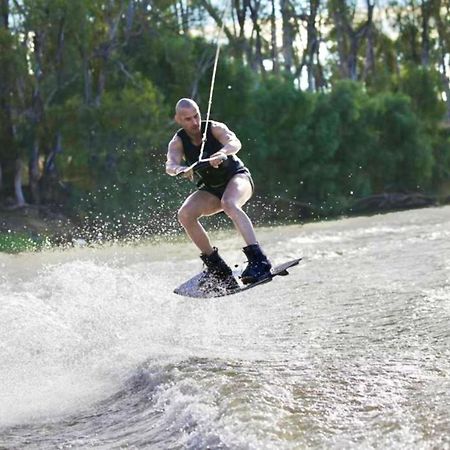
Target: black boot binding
{"x": 218, "y": 275}
{"x": 258, "y": 266}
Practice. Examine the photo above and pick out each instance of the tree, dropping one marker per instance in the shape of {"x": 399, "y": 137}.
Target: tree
{"x": 12, "y": 71}
{"x": 350, "y": 37}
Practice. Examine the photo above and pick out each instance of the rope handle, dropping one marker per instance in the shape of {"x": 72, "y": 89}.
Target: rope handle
{"x": 201, "y": 163}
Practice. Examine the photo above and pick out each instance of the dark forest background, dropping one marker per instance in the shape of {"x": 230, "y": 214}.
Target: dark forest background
{"x": 334, "y": 101}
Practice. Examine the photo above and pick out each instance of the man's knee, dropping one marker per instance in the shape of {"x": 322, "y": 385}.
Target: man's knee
{"x": 230, "y": 208}
{"x": 185, "y": 215}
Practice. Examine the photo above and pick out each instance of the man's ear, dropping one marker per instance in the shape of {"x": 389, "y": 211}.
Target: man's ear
{"x": 175, "y": 117}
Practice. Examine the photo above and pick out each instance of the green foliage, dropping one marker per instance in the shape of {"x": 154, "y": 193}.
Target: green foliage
{"x": 386, "y": 64}
{"x": 441, "y": 153}
{"x": 174, "y": 63}
{"x": 233, "y": 94}
{"x": 276, "y": 134}
{"x": 105, "y": 81}
{"x": 336, "y": 146}
{"x": 424, "y": 87}
{"x": 400, "y": 156}
{"x": 12, "y": 242}
{"x": 343, "y": 134}
{"x": 115, "y": 147}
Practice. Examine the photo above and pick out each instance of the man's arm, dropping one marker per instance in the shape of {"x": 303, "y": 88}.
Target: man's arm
{"x": 231, "y": 144}
{"x": 175, "y": 156}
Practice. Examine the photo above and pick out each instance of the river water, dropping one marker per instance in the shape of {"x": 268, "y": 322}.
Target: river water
{"x": 352, "y": 350}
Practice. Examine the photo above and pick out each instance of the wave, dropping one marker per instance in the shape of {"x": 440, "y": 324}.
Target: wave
{"x": 350, "y": 350}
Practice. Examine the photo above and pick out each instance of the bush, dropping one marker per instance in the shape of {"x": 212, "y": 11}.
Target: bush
{"x": 13, "y": 242}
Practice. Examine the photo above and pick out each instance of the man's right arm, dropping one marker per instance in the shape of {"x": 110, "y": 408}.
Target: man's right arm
{"x": 175, "y": 155}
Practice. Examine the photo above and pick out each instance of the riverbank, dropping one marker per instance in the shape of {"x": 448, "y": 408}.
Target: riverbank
{"x": 33, "y": 227}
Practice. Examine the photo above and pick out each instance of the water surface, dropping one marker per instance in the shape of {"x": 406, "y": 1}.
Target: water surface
{"x": 350, "y": 351}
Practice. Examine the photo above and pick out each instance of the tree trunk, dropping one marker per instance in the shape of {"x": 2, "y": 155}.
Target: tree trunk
{"x": 340, "y": 28}
{"x": 320, "y": 80}
{"x": 425, "y": 54}
{"x": 101, "y": 83}
{"x": 444, "y": 44}
{"x": 4, "y": 14}
{"x": 50, "y": 163}
{"x": 312, "y": 43}
{"x": 369, "y": 65}
{"x": 273, "y": 39}
{"x": 87, "y": 78}
{"x": 288, "y": 34}
{"x": 257, "y": 62}
{"x": 129, "y": 19}
{"x": 106, "y": 48}
{"x": 206, "y": 61}
{"x": 18, "y": 190}
{"x": 8, "y": 148}
{"x": 237, "y": 43}
{"x": 349, "y": 39}
{"x": 50, "y": 185}
{"x": 241, "y": 14}
{"x": 352, "y": 58}
{"x": 34, "y": 173}
{"x": 37, "y": 117}
{"x": 413, "y": 33}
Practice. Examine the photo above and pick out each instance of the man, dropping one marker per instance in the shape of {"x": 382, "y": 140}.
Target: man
{"x": 225, "y": 185}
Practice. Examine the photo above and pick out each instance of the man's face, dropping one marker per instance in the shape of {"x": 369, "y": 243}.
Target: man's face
{"x": 189, "y": 119}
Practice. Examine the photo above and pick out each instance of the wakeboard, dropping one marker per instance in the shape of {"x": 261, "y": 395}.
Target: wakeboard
{"x": 198, "y": 288}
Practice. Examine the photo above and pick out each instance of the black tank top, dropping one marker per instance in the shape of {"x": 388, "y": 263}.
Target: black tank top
{"x": 209, "y": 176}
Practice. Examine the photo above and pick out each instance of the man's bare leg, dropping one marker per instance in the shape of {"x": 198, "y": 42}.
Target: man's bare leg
{"x": 198, "y": 204}
{"x": 238, "y": 192}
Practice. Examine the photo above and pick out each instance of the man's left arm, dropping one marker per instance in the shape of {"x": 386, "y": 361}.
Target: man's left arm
{"x": 231, "y": 144}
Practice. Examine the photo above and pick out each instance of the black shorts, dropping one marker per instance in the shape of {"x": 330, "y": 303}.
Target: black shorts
{"x": 219, "y": 190}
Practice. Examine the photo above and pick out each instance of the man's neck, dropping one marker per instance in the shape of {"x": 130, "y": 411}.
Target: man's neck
{"x": 195, "y": 137}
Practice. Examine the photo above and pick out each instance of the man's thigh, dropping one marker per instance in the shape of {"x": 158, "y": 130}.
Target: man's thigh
{"x": 239, "y": 189}
{"x": 201, "y": 203}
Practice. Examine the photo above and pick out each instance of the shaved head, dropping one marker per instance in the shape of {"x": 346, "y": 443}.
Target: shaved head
{"x": 185, "y": 103}
{"x": 187, "y": 114}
